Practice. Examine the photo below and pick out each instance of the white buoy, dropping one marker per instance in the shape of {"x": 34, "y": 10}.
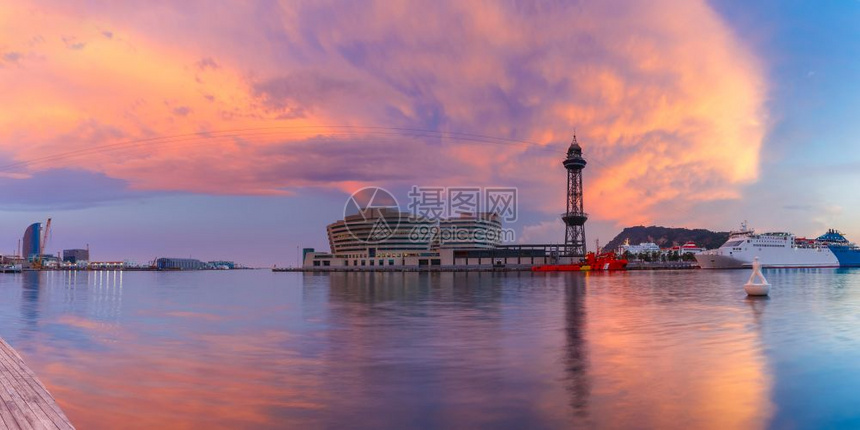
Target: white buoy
{"x": 757, "y": 285}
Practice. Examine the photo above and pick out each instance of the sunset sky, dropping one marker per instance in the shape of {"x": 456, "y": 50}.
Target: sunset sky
{"x": 237, "y": 130}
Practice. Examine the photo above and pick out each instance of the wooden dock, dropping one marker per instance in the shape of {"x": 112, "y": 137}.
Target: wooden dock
{"x": 25, "y": 403}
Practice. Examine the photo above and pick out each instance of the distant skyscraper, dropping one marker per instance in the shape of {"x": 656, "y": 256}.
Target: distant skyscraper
{"x": 32, "y": 241}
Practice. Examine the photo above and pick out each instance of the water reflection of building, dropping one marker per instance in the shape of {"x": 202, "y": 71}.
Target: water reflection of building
{"x": 374, "y": 287}
{"x": 401, "y": 345}
{"x": 104, "y": 289}
{"x": 31, "y": 283}
{"x": 100, "y": 291}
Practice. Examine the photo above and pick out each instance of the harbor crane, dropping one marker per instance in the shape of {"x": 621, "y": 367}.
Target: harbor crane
{"x": 37, "y": 262}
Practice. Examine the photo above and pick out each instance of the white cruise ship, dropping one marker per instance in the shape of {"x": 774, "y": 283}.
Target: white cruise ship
{"x": 776, "y": 249}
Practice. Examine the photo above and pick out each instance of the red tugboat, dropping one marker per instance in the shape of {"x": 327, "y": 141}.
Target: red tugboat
{"x": 604, "y": 261}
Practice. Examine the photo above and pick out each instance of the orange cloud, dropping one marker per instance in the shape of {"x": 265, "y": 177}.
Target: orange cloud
{"x": 668, "y": 103}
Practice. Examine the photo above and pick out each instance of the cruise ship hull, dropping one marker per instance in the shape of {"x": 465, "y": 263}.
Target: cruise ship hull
{"x": 716, "y": 261}
{"x": 772, "y": 258}
{"x": 848, "y": 256}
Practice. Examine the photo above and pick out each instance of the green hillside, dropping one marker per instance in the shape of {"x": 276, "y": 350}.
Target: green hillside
{"x": 667, "y": 236}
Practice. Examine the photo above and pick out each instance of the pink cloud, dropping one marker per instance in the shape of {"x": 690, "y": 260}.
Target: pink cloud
{"x": 668, "y": 104}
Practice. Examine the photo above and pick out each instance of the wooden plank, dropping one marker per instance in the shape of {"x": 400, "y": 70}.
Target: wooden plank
{"x": 20, "y": 391}
{"x": 25, "y": 402}
{"x": 15, "y": 401}
{"x": 11, "y": 399}
{"x": 44, "y": 398}
{"x": 34, "y": 393}
{"x": 7, "y": 421}
{"x": 8, "y": 409}
{"x": 13, "y": 404}
{"x": 25, "y": 385}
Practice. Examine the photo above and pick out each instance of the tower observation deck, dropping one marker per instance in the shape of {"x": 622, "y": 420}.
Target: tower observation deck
{"x": 574, "y": 217}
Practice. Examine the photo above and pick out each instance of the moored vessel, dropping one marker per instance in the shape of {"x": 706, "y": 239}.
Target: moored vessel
{"x": 847, "y": 253}
{"x": 603, "y": 261}
{"x": 781, "y": 250}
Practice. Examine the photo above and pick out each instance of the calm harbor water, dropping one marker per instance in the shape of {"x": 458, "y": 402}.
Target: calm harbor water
{"x": 256, "y": 349}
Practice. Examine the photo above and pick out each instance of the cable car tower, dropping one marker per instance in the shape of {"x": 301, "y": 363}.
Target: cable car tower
{"x": 574, "y": 218}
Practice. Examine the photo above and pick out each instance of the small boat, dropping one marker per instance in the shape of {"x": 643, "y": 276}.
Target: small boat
{"x": 10, "y": 268}
{"x": 604, "y": 261}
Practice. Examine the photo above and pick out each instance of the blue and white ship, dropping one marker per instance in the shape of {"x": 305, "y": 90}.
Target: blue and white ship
{"x": 847, "y": 253}
{"x": 781, "y": 250}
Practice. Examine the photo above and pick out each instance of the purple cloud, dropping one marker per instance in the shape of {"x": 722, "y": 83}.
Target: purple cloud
{"x": 206, "y": 63}
{"x": 63, "y": 189}
{"x": 72, "y": 44}
{"x": 12, "y": 57}
{"x": 182, "y": 110}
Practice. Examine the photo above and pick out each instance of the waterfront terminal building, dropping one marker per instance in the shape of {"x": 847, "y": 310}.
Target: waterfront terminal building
{"x": 76, "y": 256}
{"x": 388, "y": 239}
{"x": 179, "y": 264}
{"x": 193, "y": 264}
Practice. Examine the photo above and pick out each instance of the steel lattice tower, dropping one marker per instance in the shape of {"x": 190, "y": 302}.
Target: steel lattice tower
{"x": 574, "y": 218}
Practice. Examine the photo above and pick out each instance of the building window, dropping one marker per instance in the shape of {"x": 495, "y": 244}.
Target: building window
{"x": 390, "y": 262}
{"x": 316, "y": 263}
{"x": 362, "y": 262}
{"x": 371, "y": 262}
{"x": 355, "y": 262}
{"x": 346, "y": 262}
{"x": 326, "y": 263}
{"x": 435, "y": 262}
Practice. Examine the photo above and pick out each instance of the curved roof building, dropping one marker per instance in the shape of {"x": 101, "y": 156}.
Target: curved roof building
{"x": 381, "y": 229}
{"x": 471, "y": 231}
{"x": 32, "y": 241}
{"x": 391, "y": 232}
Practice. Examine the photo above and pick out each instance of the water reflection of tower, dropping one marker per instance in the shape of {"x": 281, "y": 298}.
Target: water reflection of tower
{"x": 576, "y": 354}
{"x": 574, "y": 217}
